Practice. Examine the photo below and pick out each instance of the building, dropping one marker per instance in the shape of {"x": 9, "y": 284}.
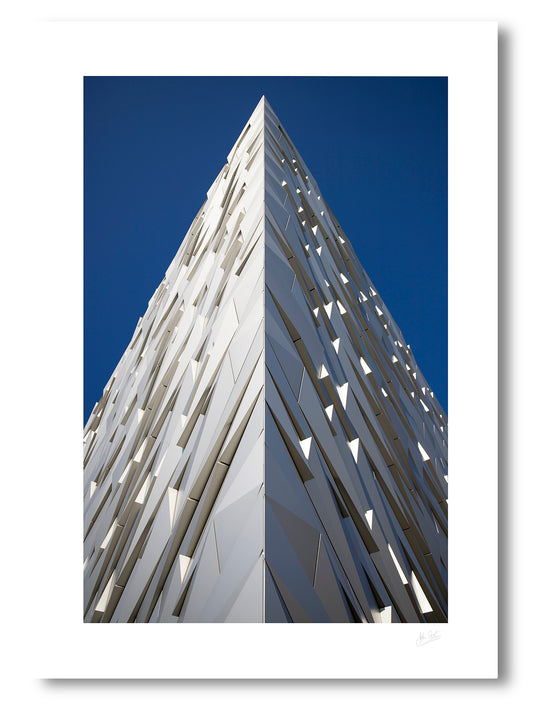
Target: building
{"x": 267, "y": 449}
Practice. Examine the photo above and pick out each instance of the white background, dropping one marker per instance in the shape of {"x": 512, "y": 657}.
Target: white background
{"x": 41, "y": 361}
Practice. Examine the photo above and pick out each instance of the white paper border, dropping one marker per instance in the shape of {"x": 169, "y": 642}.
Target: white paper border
{"x": 63, "y": 52}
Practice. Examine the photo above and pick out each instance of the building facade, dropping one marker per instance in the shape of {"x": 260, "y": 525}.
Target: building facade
{"x": 267, "y": 449}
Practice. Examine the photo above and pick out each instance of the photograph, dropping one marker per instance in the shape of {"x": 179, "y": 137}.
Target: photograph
{"x": 265, "y": 373}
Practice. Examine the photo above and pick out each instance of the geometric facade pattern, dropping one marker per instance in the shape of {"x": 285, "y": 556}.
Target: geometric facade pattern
{"x": 267, "y": 449}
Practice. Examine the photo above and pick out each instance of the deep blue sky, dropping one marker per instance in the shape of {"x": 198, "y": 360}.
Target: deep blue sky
{"x": 377, "y": 148}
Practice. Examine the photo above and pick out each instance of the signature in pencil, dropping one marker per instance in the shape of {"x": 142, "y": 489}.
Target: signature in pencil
{"x": 425, "y": 638}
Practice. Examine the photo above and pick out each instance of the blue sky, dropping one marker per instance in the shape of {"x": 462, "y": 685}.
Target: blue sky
{"x": 377, "y": 148}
